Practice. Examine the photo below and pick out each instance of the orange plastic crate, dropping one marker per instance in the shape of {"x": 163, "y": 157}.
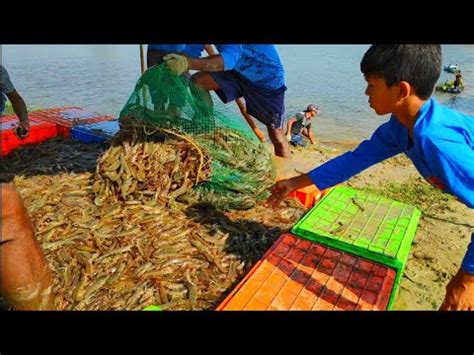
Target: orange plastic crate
{"x": 68, "y": 117}
{"x": 307, "y": 195}
{"x": 39, "y": 132}
{"x": 296, "y": 274}
{"x": 286, "y": 169}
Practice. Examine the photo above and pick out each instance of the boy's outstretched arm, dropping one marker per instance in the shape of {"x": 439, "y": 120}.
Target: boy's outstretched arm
{"x": 378, "y": 148}
{"x": 284, "y": 187}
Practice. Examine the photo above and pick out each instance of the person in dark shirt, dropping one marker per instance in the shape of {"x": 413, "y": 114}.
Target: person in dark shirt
{"x": 300, "y": 125}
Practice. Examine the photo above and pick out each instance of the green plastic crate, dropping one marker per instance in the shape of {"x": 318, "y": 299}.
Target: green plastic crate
{"x": 152, "y": 308}
{"x": 368, "y": 225}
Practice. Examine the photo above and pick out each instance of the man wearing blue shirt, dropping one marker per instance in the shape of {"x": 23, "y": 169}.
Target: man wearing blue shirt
{"x": 254, "y": 72}
{"x": 439, "y": 141}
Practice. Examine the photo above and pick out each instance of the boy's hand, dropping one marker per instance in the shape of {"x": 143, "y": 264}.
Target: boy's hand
{"x": 279, "y": 191}
{"x": 459, "y": 293}
{"x": 284, "y": 187}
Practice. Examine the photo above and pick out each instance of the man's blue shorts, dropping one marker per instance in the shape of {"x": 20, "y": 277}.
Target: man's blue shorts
{"x": 268, "y": 106}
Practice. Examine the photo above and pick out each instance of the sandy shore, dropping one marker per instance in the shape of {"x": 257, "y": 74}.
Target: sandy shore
{"x": 443, "y": 232}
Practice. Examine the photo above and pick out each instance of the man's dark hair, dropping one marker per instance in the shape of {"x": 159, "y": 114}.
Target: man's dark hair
{"x": 418, "y": 64}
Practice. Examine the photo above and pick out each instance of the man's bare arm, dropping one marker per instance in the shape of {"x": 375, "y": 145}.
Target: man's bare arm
{"x": 209, "y": 64}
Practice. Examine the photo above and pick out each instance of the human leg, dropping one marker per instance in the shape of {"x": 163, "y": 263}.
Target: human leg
{"x": 280, "y": 144}
{"x": 25, "y": 278}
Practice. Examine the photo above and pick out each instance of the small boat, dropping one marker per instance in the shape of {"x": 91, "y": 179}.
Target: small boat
{"x": 448, "y": 87}
{"x": 452, "y": 68}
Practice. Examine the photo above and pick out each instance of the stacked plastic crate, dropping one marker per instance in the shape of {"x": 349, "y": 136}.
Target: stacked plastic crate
{"x": 39, "y": 131}
{"x": 367, "y": 225}
{"x": 68, "y": 117}
{"x": 353, "y": 254}
{"x": 296, "y": 274}
{"x": 95, "y": 132}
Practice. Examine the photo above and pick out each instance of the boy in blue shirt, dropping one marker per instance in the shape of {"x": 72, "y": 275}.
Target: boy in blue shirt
{"x": 439, "y": 141}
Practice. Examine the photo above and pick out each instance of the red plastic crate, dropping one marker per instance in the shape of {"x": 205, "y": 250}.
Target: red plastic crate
{"x": 39, "y": 132}
{"x": 296, "y": 274}
{"x": 68, "y": 117}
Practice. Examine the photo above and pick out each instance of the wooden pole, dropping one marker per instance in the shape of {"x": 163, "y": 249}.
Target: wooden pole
{"x": 142, "y": 59}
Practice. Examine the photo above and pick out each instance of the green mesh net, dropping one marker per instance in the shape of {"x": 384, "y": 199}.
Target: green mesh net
{"x": 241, "y": 166}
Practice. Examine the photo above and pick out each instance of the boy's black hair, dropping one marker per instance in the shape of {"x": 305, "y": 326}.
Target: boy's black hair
{"x": 418, "y": 64}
